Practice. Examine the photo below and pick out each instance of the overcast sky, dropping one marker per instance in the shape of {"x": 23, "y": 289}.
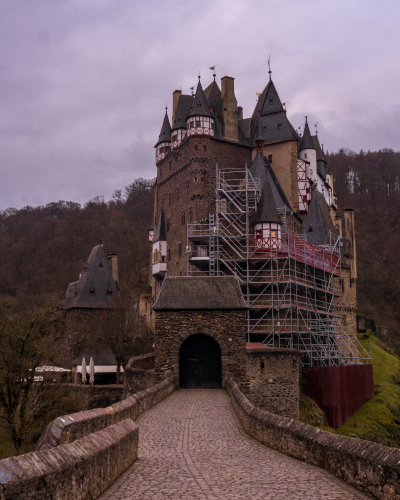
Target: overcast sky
{"x": 84, "y": 83}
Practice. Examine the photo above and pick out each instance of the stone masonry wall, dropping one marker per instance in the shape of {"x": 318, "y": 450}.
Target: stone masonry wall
{"x": 66, "y": 429}
{"x": 170, "y": 325}
{"x": 191, "y": 169}
{"x": 368, "y": 466}
{"x": 139, "y": 374}
{"x": 78, "y": 471}
{"x": 273, "y": 380}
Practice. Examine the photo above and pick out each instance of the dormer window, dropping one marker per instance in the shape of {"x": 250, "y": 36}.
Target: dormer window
{"x": 279, "y": 126}
{"x": 271, "y": 102}
{"x": 109, "y": 291}
{"x": 91, "y": 291}
{"x": 199, "y": 105}
{"x": 101, "y": 264}
{"x": 211, "y": 109}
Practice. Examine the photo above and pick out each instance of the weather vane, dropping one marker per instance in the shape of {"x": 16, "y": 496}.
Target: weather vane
{"x": 269, "y": 67}
{"x": 213, "y": 69}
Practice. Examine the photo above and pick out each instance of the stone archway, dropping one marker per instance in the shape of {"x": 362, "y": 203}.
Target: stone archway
{"x": 195, "y": 331}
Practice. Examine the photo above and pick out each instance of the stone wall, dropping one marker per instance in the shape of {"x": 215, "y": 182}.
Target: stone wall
{"x": 191, "y": 169}
{"x": 96, "y": 396}
{"x": 139, "y": 374}
{"x": 78, "y": 471}
{"x": 368, "y": 466}
{"x": 227, "y": 327}
{"x": 273, "y": 380}
{"x": 349, "y": 302}
{"x": 66, "y": 429}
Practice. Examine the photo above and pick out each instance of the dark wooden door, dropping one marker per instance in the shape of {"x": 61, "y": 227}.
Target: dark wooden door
{"x": 200, "y": 363}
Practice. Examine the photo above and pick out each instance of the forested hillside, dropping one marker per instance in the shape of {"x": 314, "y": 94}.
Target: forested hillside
{"x": 370, "y": 184}
{"x": 43, "y": 249}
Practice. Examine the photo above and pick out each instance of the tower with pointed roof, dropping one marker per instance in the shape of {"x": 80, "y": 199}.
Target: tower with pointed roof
{"x": 200, "y": 121}
{"x": 163, "y": 145}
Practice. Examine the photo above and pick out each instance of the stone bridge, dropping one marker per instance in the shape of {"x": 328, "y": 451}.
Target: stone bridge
{"x": 192, "y": 446}
{"x": 164, "y": 444}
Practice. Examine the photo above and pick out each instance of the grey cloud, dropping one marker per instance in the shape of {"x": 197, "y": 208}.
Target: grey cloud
{"x": 83, "y": 85}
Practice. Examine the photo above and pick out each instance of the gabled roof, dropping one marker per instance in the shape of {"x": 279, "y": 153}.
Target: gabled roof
{"x": 160, "y": 234}
{"x": 165, "y": 133}
{"x": 182, "y": 111}
{"x": 96, "y": 277}
{"x": 195, "y": 292}
{"x": 318, "y": 222}
{"x": 307, "y": 141}
{"x": 200, "y": 106}
{"x": 266, "y": 208}
{"x": 261, "y": 169}
{"x": 244, "y": 126}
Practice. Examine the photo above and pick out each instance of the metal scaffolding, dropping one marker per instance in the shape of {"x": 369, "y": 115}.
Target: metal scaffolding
{"x": 292, "y": 287}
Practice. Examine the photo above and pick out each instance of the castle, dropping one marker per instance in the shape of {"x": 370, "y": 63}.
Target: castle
{"x": 247, "y": 248}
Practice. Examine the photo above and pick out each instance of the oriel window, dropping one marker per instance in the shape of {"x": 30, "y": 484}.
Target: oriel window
{"x": 183, "y": 218}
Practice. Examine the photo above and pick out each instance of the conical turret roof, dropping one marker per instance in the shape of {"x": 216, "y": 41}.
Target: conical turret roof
{"x": 165, "y": 134}
{"x": 266, "y": 208}
{"x": 160, "y": 234}
{"x": 307, "y": 140}
{"x": 200, "y": 105}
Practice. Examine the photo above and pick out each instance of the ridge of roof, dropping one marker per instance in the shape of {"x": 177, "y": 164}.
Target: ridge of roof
{"x": 160, "y": 234}
{"x": 200, "y": 105}
{"x": 182, "y": 111}
{"x": 307, "y": 141}
{"x": 165, "y": 133}
{"x": 266, "y": 208}
{"x": 97, "y": 277}
{"x": 318, "y": 222}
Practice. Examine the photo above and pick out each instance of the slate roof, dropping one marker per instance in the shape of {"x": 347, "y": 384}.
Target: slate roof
{"x": 307, "y": 141}
{"x": 319, "y": 219}
{"x": 244, "y": 126}
{"x": 199, "y": 97}
{"x": 213, "y": 96}
{"x": 266, "y": 208}
{"x": 182, "y": 111}
{"x": 101, "y": 353}
{"x": 272, "y": 115}
{"x": 194, "y": 292}
{"x": 261, "y": 169}
{"x": 165, "y": 133}
{"x": 259, "y": 137}
{"x": 317, "y": 146}
{"x": 160, "y": 234}
{"x": 95, "y": 276}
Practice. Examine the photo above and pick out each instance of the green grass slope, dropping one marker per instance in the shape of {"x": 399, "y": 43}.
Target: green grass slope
{"x": 379, "y": 419}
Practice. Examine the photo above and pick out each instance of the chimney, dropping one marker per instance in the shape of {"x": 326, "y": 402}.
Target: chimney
{"x": 350, "y": 255}
{"x": 113, "y": 265}
{"x": 240, "y": 113}
{"x": 175, "y": 99}
{"x": 229, "y": 108}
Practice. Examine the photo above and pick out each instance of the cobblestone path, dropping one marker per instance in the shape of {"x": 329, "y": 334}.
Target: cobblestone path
{"x": 192, "y": 446}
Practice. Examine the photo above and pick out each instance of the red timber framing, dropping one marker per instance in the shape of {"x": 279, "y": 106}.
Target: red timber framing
{"x": 292, "y": 287}
{"x": 304, "y": 186}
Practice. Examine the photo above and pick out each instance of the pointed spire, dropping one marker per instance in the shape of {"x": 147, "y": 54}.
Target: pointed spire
{"x": 269, "y": 68}
{"x": 307, "y": 141}
{"x": 266, "y": 208}
{"x": 200, "y": 106}
{"x": 160, "y": 234}
{"x": 165, "y": 134}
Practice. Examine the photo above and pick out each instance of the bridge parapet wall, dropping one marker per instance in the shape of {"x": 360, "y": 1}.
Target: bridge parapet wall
{"x": 67, "y": 429}
{"x": 368, "y": 466}
{"x": 78, "y": 471}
